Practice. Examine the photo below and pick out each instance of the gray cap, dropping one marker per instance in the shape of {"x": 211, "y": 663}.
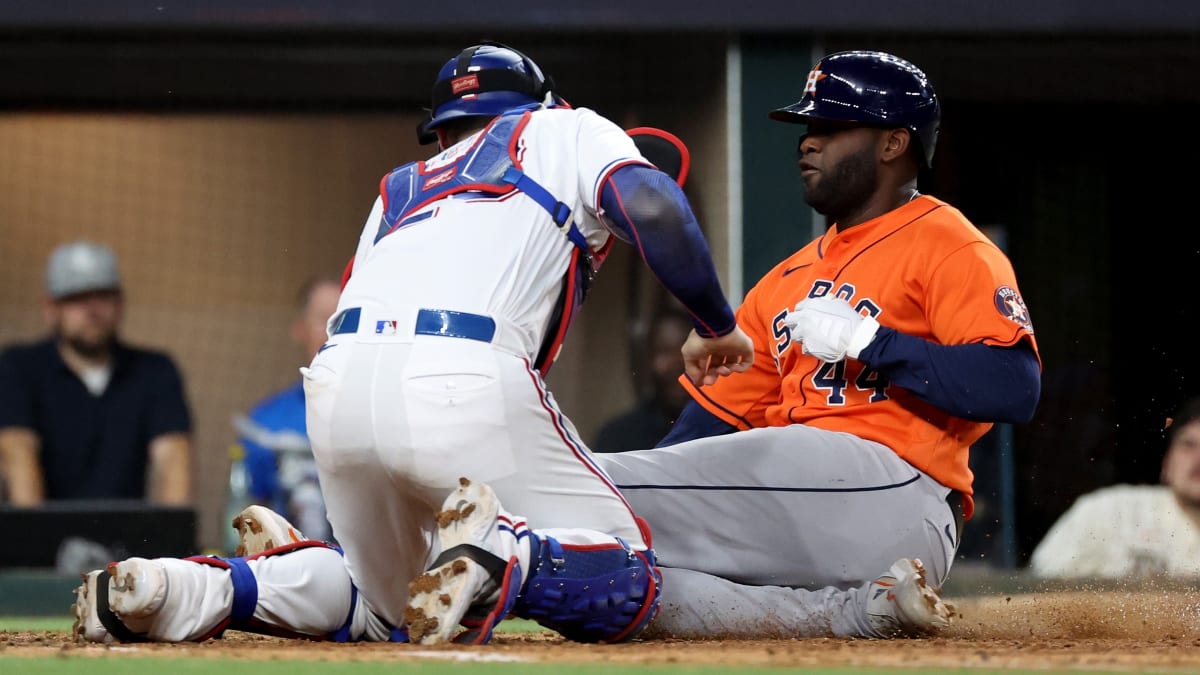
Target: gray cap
{"x": 80, "y": 267}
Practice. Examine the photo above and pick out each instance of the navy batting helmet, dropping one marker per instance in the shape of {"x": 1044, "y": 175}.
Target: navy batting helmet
{"x": 484, "y": 80}
{"x": 871, "y": 88}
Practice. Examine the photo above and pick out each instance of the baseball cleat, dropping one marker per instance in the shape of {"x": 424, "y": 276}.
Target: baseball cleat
{"x": 87, "y": 626}
{"x": 137, "y": 588}
{"x": 466, "y": 576}
{"x": 261, "y": 529}
{"x": 901, "y": 604}
{"x": 134, "y": 589}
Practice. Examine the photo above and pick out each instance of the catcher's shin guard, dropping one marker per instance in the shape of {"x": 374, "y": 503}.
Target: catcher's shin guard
{"x": 590, "y": 593}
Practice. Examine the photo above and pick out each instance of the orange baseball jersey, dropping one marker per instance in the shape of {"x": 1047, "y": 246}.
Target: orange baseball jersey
{"x": 922, "y": 269}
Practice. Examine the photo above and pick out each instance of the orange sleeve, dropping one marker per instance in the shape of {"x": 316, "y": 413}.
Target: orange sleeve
{"x": 741, "y": 399}
{"x": 977, "y": 300}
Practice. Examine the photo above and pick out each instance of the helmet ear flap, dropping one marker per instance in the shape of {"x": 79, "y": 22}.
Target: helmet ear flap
{"x": 425, "y": 135}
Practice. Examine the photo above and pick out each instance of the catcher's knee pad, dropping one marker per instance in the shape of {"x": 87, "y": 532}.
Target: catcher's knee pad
{"x": 590, "y": 593}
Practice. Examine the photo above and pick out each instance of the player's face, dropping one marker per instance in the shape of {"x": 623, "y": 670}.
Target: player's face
{"x": 838, "y": 166}
{"x": 88, "y": 322}
{"x": 1181, "y": 469}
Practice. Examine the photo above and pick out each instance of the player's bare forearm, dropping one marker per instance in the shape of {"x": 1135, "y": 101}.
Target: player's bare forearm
{"x": 20, "y": 468}
{"x": 170, "y": 480}
{"x": 706, "y": 359}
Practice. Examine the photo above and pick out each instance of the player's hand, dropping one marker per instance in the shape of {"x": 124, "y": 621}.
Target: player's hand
{"x": 830, "y": 329}
{"x": 706, "y": 359}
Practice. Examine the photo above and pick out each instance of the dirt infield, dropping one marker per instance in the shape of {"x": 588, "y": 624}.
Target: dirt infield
{"x": 1111, "y": 631}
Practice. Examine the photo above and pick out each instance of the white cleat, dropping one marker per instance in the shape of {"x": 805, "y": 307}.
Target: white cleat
{"x": 136, "y": 589}
{"x": 261, "y": 529}
{"x": 439, "y": 598}
{"x": 901, "y": 604}
{"x": 87, "y": 626}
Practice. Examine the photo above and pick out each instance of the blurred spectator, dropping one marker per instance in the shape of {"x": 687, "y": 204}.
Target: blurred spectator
{"x": 1127, "y": 531}
{"x": 277, "y": 464}
{"x": 82, "y": 414}
{"x": 645, "y": 424}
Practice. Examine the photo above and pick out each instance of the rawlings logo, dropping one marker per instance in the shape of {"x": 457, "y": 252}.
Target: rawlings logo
{"x": 440, "y": 178}
{"x": 465, "y": 83}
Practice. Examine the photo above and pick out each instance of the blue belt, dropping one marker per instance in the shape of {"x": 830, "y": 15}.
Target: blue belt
{"x": 429, "y": 322}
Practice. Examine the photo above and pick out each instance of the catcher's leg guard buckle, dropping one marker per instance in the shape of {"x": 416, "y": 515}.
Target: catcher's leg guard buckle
{"x": 590, "y": 594}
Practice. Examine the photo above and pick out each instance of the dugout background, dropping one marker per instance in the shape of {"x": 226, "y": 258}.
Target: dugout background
{"x": 225, "y": 166}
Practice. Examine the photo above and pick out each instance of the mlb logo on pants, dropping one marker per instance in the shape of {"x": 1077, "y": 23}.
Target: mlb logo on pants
{"x": 385, "y": 327}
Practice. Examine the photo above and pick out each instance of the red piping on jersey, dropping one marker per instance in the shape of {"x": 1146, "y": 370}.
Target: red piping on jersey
{"x": 346, "y": 272}
{"x": 608, "y": 175}
{"x": 555, "y": 419}
{"x": 568, "y": 310}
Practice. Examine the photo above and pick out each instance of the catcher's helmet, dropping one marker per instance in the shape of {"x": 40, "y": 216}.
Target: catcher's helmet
{"x": 484, "y": 80}
{"x": 873, "y": 88}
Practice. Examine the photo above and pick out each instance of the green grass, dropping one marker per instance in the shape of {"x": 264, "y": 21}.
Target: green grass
{"x": 131, "y": 663}
{"x": 15, "y": 623}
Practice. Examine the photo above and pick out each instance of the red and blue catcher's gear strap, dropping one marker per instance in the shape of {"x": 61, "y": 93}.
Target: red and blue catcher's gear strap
{"x": 646, "y": 208}
{"x": 491, "y": 166}
{"x": 977, "y": 382}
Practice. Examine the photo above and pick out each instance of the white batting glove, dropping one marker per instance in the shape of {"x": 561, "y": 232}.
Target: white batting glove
{"x": 830, "y": 329}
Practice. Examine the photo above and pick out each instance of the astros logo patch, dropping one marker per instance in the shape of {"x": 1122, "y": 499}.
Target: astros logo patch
{"x": 1009, "y": 303}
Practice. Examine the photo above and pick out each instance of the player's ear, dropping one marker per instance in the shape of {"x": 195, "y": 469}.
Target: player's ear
{"x": 895, "y": 143}
{"x": 443, "y": 139}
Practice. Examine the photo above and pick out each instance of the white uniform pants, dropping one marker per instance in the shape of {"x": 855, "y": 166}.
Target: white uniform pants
{"x": 395, "y": 421}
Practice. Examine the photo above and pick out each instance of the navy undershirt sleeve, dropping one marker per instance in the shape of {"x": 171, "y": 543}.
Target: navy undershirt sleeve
{"x": 646, "y": 208}
{"x": 693, "y": 422}
{"x": 976, "y": 382}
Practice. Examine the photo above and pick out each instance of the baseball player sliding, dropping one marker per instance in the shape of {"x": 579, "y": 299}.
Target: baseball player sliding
{"x": 884, "y": 349}
{"x": 819, "y": 492}
{"x": 429, "y": 391}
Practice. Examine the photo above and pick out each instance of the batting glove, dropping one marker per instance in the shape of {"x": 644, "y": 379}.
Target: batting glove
{"x": 830, "y": 329}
